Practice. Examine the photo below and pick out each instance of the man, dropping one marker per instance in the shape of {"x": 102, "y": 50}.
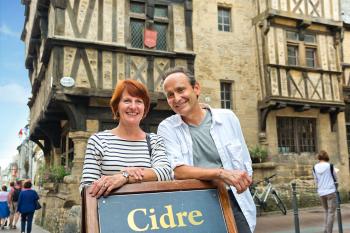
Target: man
{"x": 207, "y": 144}
{"x": 325, "y": 178}
{"x": 14, "y": 195}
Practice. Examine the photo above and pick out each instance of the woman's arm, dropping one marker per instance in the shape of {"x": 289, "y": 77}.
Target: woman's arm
{"x": 92, "y": 162}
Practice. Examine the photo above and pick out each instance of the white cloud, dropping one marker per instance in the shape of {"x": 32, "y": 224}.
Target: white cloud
{"x": 13, "y": 93}
{"x": 5, "y": 30}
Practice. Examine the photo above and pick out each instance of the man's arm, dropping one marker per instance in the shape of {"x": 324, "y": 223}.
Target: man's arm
{"x": 239, "y": 179}
{"x": 247, "y": 162}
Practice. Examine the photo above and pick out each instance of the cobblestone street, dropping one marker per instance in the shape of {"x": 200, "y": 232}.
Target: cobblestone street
{"x": 311, "y": 220}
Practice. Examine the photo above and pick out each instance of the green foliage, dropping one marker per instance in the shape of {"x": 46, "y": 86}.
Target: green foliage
{"x": 54, "y": 174}
{"x": 258, "y": 154}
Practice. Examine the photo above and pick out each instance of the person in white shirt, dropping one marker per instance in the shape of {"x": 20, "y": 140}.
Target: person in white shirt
{"x": 325, "y": 178}
{"x": 207, "y": 144}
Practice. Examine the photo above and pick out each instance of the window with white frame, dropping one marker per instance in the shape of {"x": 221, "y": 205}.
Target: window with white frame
{"x": 226, "y": 94}
{"x": 224, "y": 19}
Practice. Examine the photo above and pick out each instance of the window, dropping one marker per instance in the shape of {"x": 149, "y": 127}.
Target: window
{"x": 296, "y": 135}
{"x": 139, "y": 20}
{"x": 292, "y": 55}
{"x": 291, "y": 35}
{"x": 224, "y": 19}
{"x": 310, "y": 56}
{"x": 226, "y": 98}
{"x": 347, "y": 123}
{"x": 301, "y": 49}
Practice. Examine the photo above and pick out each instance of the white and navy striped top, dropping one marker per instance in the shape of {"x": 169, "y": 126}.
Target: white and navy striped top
{"x": 107, "y": 154}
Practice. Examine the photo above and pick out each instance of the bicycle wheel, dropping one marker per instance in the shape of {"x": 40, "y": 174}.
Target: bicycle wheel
{"x": 279, "y": 203}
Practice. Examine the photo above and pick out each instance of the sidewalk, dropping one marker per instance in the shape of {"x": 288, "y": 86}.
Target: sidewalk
{"x": 310, "y": 221}
{"x": 35, "y": 229}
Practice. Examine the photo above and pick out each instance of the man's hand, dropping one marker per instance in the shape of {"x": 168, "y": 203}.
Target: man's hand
{"x": 239, "y": 179}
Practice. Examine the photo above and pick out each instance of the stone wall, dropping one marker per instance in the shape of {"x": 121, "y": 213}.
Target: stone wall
{"x": 228, "y": 56}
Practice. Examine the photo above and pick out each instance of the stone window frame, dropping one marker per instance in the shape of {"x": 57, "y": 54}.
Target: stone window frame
{"x": 149, "y": 21}
{"x": 296, "y": 135}
{"x": 221, "y": 24}
{"x": 302, "y": 41}
{"x": 223, "y": 91}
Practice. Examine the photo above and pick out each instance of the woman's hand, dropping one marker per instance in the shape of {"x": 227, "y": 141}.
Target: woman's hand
{"x": 136, "y": 173}
{"x": 106, "y": 184}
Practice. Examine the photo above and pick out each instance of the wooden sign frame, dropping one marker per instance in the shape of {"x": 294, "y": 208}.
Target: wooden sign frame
{"x": 90, "y": 222}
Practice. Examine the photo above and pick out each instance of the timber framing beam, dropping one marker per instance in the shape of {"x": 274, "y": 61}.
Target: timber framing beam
{"x": 272, "y": 104}
{"x": 62, "y": 41}
{"x": 273, "y": 13}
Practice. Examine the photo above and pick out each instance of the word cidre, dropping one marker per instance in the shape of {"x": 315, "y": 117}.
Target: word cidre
{"x": 166, "y": 220}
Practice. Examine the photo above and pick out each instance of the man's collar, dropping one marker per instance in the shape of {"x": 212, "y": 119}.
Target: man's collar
{"x": 215, "y": 117}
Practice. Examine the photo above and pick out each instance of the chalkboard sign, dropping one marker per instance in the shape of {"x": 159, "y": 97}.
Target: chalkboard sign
{"x": 189, "y": 206}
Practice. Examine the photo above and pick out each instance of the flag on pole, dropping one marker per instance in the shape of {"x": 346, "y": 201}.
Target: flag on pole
{"x": 20, "y": 133}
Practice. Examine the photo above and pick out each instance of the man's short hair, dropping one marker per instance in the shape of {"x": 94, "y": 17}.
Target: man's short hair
{"x": 180, "y": 69}
{"x": 27, "y": 184}
{"x": 323, "y": 155}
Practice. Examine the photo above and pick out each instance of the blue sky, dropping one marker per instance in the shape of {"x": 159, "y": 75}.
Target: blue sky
{"x": 14, "y": 82}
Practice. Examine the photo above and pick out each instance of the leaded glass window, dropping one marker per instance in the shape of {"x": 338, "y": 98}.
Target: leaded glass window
{"x": 296, "y": 135}
{"x": 136, "y": 31}
{"x": 138, "y": 21}
{"x": 162, "y": 35}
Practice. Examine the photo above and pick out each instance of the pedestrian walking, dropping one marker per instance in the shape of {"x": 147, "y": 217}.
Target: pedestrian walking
{"x": 15, "y": 189}
{"x": 325, "y": 178}
{"x": 4, "y": 206}
{"x": 207, "y": 144}
{"x": 27, "y": 204}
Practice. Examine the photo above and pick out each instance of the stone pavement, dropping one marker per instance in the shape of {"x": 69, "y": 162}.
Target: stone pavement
{"x": 310, "y": 219}
{"x": 35, "y": 229}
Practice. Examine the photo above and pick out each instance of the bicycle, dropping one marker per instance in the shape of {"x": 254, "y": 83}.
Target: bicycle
{"x": 260, "y": 199}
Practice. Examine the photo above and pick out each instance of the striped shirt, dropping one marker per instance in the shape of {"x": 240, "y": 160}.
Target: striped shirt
{"x": 106, "y": 154}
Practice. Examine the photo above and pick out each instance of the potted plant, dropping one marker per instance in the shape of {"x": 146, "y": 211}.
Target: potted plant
{"x": 258, "y": 154}
{"x": 50, "y": 177}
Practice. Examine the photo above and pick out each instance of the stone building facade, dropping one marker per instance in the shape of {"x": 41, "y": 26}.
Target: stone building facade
{"x": 276, "y": 64}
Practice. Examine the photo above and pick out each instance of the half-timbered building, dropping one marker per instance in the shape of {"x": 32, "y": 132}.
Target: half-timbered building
{"x": 281, "y": 65}
{"x": 301, "y": 109}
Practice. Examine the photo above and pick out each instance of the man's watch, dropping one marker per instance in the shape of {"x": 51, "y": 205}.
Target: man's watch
{"x": 126, "y": 175}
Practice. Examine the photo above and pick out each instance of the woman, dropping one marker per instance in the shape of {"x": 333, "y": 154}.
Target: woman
{"x": 122, "y": 155}
{"x": 4, "y": 206}
{"x": 325, "y": 178}
{"x": 27, "y": 201}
